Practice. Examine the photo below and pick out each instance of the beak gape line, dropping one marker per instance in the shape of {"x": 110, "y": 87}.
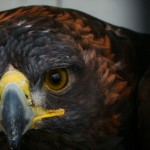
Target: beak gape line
{"x": 17, "y": 115}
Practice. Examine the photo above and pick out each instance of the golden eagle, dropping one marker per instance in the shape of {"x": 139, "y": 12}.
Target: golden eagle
{"x": 68, "y": 81}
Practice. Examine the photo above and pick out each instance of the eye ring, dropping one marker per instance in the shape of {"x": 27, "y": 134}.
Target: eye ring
{"x": 57, "y": 79}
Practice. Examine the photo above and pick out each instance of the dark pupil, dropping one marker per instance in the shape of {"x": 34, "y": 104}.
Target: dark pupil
{"x": 55, "y": 78}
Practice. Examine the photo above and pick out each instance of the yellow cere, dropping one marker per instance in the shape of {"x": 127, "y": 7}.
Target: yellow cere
{"x": 41, "y": 113}
{"x": 19, "y": 79}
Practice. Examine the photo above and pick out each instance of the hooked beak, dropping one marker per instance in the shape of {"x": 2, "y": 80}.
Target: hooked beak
{"x": 17, "y": 115}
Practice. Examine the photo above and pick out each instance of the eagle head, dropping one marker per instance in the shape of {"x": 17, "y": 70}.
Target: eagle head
{"x": 63, "y": 85}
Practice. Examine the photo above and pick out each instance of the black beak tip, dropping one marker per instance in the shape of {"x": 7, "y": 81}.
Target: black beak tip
{"x": 14, "y": 144}
{"x": 14, "y": 139}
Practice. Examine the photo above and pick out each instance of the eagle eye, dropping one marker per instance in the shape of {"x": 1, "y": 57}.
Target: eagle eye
{"x": 57, "y": 79}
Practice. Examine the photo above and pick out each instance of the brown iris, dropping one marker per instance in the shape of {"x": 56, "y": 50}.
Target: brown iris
{"x": 57, "y": 79}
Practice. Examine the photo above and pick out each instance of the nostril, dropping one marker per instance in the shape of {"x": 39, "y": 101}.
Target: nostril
{"x": 26, "y": 96}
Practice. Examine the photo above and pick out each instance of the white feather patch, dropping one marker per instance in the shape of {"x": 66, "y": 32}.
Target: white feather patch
{"x": 38, "y": 98}
{"x": 21, "y": 22}
{"x": 28, "y": 26}
{"x": 10, "y": 68}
